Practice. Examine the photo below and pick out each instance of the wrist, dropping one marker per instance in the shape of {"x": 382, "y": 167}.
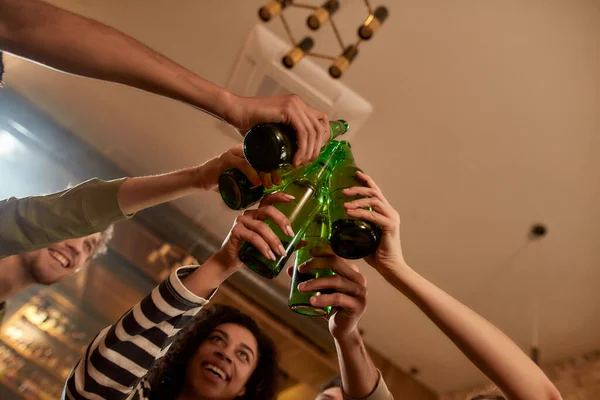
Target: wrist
{"x": 200, "y": 176}
{"x": 225, "y": 106}
{"x": 225, "y": 263}
{"x": 392, "y": 269}
{"x": 349, "y": 339}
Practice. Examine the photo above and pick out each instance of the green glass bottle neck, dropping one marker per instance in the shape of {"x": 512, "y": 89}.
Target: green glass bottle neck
{"x": 337, "y": 128}
{"x": 344, "y": 155}
{"x": 321, "y": 167}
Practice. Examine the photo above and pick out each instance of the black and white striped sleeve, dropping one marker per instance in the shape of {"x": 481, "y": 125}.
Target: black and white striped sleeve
{"x": 121, "y": 354}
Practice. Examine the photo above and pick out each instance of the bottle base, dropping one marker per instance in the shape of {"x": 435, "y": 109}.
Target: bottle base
{"x": 354, "y": 239}
{"x": 310, "y": 311}
{"x": 269, "y": 269}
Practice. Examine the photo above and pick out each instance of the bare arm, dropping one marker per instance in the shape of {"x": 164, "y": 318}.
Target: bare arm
{"x": 347, "y": 293}
{"x": 359, "y": 375}
{"x": 485, "y": 345}
{"x": 74, "y": 44}
{"x": 77, "y": 45}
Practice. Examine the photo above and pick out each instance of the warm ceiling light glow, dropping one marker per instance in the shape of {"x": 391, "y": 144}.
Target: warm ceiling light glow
{"x": 8, "y": 143}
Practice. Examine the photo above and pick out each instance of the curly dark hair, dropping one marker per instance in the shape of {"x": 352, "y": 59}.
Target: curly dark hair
{"x": 167, "y": 377}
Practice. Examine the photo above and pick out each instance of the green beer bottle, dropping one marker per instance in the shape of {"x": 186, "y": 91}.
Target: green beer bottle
{"x": 239, "y": 193}
{"x": 269, "y": 147}
{"x": 351, "y": 238}
{"x": 316, "y": 234}
{"x": 307, "y": 191}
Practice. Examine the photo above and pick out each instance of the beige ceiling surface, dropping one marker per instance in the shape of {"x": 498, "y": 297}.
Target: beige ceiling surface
{"x": 487, "y": 119}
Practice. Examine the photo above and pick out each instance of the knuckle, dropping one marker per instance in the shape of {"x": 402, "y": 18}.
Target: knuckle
{"x": 363, "y": 281}
{"x": 267, "y": 210}
{"x": 336, "y": 297}
{"x": 236, "y": 230}
{"x": 362, "y": 292}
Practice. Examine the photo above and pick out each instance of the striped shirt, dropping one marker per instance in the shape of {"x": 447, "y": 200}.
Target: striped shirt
{"x": 118, "y": 359}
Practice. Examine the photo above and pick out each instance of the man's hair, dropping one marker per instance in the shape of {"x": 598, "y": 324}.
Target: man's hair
{"x": 102, "y": 245}
{"x": 332, "y": 383}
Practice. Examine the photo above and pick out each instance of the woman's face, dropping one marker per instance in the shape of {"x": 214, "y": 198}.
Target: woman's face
{"x": 223, "y": 363}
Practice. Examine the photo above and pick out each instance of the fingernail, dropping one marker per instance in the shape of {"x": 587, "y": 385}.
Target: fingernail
{"x": 289, "y": 231}
{"x": 313, "y": 300}
{"x": 281, "y": 250}
{"x": 301, "y": 286}
{"x": 289, "y": 196}
{"x": 272, "y": 256}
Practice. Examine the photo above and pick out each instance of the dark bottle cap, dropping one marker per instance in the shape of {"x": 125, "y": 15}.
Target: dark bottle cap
{"x": 353, "y": 239}
{"x": 268, "y": 147}
{"x": 237, "y": 191}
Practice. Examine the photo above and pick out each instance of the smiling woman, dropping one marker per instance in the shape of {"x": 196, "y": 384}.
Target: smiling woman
{"x": 219, "y": 352}
{"x": 192, "y": 366}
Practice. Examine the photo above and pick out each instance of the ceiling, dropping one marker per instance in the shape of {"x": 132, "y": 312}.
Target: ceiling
{"x": 487, "y": 119}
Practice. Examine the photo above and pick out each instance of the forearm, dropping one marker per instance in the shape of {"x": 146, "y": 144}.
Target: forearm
{"x": 74, "y": 44}
{"x": 359, "y": 375}
{"x": 205, "y": 280}
{"x": 485, "y": 345}
{"x": 136, "y": 194}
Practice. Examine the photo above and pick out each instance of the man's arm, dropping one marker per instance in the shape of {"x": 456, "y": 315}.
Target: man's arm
{"x": 77, "y": 45}
{"x": 485, "y": 345}
{"x": 32, "y": 223}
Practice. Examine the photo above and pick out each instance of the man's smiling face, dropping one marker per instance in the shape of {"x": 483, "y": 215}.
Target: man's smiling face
{"x": 53, "y": 263}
